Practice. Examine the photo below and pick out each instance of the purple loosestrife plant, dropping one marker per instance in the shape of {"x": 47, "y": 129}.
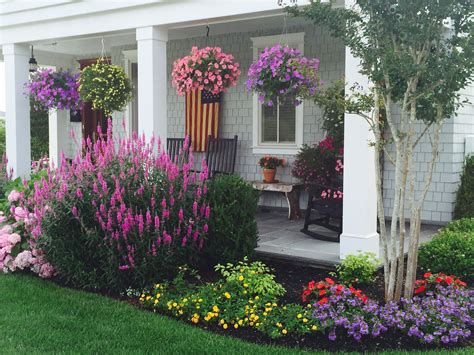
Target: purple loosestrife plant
{"x": 282, "y": 72}
{"x": 49, "y": 89}
{"x": 122, "y": 215}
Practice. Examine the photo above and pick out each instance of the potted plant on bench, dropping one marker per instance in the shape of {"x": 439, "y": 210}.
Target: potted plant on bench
{"x": 269, "y": 165}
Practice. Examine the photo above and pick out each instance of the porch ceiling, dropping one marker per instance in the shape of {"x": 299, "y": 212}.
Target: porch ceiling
{"x": 78, "y": 46}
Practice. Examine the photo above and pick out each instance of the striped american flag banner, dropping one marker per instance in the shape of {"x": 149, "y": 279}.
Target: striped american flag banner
{"x": 202, "y": 117}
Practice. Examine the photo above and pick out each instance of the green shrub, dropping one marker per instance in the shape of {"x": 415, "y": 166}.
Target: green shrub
{"x": 451, "y": 251}
{"x": 233, "y": 231}
{"x": 357, "y": 269}
{"x": 464, "y": 206}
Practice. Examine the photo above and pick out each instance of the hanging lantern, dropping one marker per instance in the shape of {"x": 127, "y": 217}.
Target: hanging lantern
{"x": 33, "y": 63}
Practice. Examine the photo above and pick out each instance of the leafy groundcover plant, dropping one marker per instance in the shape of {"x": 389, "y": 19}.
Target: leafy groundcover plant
{"x": 357, "y": 269}
{"x": 121, "y": 215}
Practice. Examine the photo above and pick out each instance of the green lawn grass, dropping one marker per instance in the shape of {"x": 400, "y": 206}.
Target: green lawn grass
{"x": 37, "y": 316}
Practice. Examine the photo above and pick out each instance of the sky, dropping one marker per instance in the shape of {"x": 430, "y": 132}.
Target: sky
{"x": 2, "y": 87}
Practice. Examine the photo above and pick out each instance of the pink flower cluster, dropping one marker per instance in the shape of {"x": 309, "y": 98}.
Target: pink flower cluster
{"x": 49, "y": 89}
{"x": 205, "y": 69}
{"x": 17, "y": 252}
{"x": 130, "y": 190}
{"x": 335, "y": 194}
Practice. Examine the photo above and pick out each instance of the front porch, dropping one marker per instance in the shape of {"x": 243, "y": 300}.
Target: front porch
{"x": 147, "y": 54}
{"x": 281, "y": 238}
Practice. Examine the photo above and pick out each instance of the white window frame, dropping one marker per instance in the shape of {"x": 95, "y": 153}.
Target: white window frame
{"x": 295, "y": 40}
{"x": 129, "y": 57}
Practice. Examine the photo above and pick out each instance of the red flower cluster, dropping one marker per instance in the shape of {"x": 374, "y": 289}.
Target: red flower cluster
{"x": 321, "y": 290}
{"x": 430, "y": 279}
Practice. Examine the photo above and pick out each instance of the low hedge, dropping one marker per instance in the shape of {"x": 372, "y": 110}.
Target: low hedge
{"x": 233, "y": 231}
{"x": 464, "y": 206}
{"x": 451, "y": 251}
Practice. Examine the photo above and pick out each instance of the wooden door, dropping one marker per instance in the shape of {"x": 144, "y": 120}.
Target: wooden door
{"x": 92, "y": 119}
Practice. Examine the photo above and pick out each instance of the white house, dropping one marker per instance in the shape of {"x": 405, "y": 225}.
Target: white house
{"x": 146, "y": 36}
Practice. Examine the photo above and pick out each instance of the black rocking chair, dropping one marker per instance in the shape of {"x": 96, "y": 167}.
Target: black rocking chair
{"x": 329, "y": 213}
{"x": 173, "y": 147}
{"x": 220, "y": 155}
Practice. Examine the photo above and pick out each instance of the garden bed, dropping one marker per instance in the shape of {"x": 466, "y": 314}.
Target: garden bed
{"x": 292, "y": 277}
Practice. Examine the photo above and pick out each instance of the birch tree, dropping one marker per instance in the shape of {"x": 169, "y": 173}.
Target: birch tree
{"x": 418, "y": 55}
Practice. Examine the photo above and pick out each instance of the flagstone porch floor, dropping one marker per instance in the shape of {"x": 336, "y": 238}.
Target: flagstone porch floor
{"x": 281, "y": 238}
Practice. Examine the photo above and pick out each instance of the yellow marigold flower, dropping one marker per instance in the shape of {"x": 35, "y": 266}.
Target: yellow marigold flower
{"x": 156, "y": 301}
{"x": 274, "y": 305}
{"x": 305, "y": 320}
{"x": 215, "y": 309}
{"x": 241, "y": 322}
{"x": 236, "y": 326}
{"x": 257, "y": 298}
{"x": 225, "y": 326}
{"x": 142, "y": 295}
{"x": 180, "y": 312}
{"x": 265, "y": 314}
{"x": 200, "y": 300}
{"x": 308, "y": 306}
{"x": 299, "y": 316}
{"x": 314, "y": 327}
{"x": 227, "y": 295}
{"x": 246, "y": 285}
{"x": 284, "y": 331}
{"x": 174, "y": 304}
{"x": 241, "y": 278}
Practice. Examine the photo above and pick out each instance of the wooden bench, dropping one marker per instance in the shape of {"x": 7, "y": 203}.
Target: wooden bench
{"x": 291, "y": 191}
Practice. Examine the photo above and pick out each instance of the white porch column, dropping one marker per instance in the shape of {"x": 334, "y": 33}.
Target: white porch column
{"x": 152, "y": 82}
{"x": 58, "y": 134}
{"x": 359, "y": 227}
{"x": 17, "y": 106}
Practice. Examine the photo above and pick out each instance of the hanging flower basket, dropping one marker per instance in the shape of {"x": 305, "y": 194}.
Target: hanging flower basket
{"x": 106, "y": 86}
{"x": 57, "y": 90}
{"x": 282, "y": 72}
{"x": 206, "y": 69}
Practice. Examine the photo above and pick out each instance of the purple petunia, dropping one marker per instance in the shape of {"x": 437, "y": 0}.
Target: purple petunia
{"x": 54, "y": 90}
{"x": 282, "y": 71}
{"x": 444, "y": 315}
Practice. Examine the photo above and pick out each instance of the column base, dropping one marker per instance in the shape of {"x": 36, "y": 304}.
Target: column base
{"x": 355, "y": 244}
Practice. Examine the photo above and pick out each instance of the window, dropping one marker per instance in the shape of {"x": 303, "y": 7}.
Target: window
{"x": 277, "y": 129}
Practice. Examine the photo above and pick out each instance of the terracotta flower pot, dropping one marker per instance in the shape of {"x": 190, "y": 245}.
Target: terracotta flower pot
{"x": 269, "y": 175}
